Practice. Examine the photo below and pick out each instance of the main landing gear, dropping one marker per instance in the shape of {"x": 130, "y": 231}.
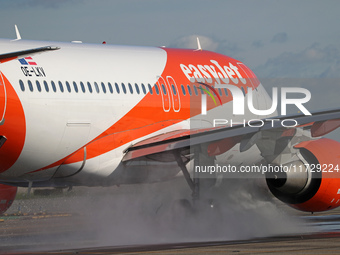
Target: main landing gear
{"x": 200, "y": 182}
{"x": 200, "y": 212}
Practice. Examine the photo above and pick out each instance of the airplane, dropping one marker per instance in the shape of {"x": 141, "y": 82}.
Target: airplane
{"x": 76, "y": 114}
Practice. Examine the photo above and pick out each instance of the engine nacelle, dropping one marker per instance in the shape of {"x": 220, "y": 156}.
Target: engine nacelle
{"x": 313, "y": 183}
{"x": 7, "y": 196}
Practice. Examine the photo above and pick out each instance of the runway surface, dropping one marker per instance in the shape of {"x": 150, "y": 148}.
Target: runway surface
{"x": 134, "y": 220}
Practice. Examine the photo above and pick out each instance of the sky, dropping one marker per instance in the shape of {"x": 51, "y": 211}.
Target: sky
{"x": 266, "y": 35}
{"x": 286, "y": 43}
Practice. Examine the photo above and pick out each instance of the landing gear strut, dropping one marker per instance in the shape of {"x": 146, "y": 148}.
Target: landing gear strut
{"x": 201, "y": 159}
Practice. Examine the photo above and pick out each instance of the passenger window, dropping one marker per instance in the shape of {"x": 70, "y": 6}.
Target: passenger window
{"x": 150, "y": 89}
{"x": 103, "y": 87}
{"x": 189, "y": 90}
{"x": 89, "y": 86}
{"x": 220, "y": 92}
{"x": 38, "y": 86}
{"x": 164, "y": 90}
{"x": 68, "y": 86}
{"x": 174, "y": 89}
{"x": 30, "y": 85}
{"x": 225, "y": 91}
{"x": 195, "y": 89}
{"x": 46, "y": 86}
{"x": 157, "y": 89}
{"x": 244, "y": 93}
{"x": 75, "y": 87}
{"x": 110, "y": 87}
{"x": 202, "y": 91}
{"x": 137, "y": 88}
{"x": 53, "y": 86}
{"x": 82, "y": 86}
{"x": 96, "y": 87}
{"x": 124, "y": 88}
{"x": 22, "y": 85}
{"x": 61, "y": 86}
{"x": 117, "y": 88}
{"x": 130, "y": 88}
{"x": 143, "y": 88}
{"x": 183, "y": 90}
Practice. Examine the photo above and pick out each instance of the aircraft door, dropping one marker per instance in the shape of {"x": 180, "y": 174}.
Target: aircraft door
{"x": 3, "y": 99}
{"x": 163, "y": 86}
{"x": 176, "y": 100}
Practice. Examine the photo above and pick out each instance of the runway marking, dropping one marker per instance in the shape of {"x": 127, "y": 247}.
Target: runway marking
{"x": 32, "y": 216}
{"x": 51, "y": 216}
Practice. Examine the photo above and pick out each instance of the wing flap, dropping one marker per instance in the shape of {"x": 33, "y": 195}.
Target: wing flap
{"x": 184, "y": 139}
{"x": 321, "y": 128}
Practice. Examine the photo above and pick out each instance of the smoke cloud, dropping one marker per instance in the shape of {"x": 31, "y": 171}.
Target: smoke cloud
{"x": 151, "y": 214}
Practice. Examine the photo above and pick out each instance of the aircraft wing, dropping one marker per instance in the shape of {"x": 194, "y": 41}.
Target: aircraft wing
{"x": 18, "y": 54}
{"x": 319, "y": 124}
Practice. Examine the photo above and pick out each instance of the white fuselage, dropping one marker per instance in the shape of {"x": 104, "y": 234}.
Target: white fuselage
{"x": 65, "y": 124}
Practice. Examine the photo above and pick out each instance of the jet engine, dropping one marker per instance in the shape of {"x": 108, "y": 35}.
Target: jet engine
{"x": 311, "y": 184}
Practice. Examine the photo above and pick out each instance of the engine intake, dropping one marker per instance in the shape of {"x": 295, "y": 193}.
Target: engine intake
{"x": 313, "y": 183}
{"x": 292, "y": 181}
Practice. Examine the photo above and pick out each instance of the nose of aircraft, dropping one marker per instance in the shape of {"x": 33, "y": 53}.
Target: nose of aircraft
{"x": 12, "y": 124}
